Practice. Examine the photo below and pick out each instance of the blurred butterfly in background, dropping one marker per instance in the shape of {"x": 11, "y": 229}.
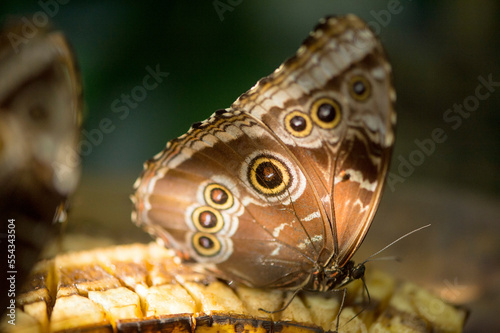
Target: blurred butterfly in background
{"x": 40, "y": 118}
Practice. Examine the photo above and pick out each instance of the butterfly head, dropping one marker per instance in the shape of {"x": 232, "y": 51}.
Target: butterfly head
{"x": 350, "y": 272}
{"x": 334, "y": 277}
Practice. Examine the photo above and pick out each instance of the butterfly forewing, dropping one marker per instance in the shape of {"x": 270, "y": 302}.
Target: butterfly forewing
{"x": 341, "y": 66}
{"x": 364, "y": 155}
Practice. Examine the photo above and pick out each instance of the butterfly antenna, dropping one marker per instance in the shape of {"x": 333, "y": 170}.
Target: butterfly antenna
{"x": 391, "y": 258}
{"x": 394, "y": 242}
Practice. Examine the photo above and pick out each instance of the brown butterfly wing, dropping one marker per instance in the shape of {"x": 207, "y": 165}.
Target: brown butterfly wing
{"x": 260, "y": 239}
{"x": 342, "y": 61}
{"x": 364, "y": 156}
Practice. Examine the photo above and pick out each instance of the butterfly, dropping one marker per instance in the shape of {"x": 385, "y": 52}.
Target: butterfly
{"x": 279, "y": 190}
{"x": 40, "y": 119}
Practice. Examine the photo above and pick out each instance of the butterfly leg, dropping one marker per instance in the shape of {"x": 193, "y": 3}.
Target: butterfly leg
{"x": 344, "y": 294}
{"x": 283, "y": 308}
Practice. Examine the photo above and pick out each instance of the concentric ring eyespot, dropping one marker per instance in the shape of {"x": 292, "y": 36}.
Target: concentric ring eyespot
{"x": 207, "y": 219}
{"x": 206, "y": 245}
{"x": 298, "y": 124}
{"x": 326, "y": 112}
{"x": 218, "y": 196}
{"x": 360, "y": 88}
{"x": 268, "y": 175}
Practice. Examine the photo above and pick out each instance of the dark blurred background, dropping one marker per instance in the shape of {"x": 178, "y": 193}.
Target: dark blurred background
{"x": 440, "y": 51}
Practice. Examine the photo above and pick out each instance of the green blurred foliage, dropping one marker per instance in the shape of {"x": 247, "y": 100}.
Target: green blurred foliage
{"x": 438, "y": 50}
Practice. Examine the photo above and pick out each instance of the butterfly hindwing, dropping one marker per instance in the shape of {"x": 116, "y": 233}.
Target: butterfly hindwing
{"x": 227, "y": 156}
